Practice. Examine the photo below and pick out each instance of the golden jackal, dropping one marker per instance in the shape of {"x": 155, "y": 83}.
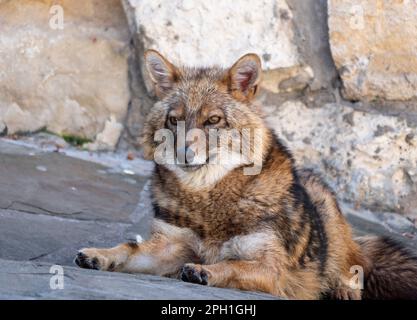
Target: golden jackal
{"x": 279, "y": 231}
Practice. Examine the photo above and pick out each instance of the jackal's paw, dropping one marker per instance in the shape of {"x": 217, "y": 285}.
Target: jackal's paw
{"x": 346, "y": 294}
{"x": 92, "y": 259}
{"x": 194, "y": 273}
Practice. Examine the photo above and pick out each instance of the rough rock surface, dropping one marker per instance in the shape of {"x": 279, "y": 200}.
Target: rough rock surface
{"x": 369, "y": 159}
{"x": 70, "y": 81}
{"x": 374, "y": 48}
{"x": 194, "y": 31}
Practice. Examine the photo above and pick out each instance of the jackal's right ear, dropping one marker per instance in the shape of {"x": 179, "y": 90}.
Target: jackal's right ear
{"x": 244, "y": 77}
{"x": 162, "y": 72}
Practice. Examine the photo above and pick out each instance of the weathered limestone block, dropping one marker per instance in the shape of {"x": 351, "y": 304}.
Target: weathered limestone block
{"x": 374, "y": 46}
{"x": 369, "y": 159}
{"x": 71, "y": 80}
{"x": 204, "y": 33}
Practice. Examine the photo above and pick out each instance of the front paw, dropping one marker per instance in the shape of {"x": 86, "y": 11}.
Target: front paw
{"x": 92, "y": 259}
{"x": 194, "y": 273}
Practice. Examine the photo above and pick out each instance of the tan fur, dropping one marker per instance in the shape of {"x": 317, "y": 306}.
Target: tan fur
{"x": 280, "y": 231}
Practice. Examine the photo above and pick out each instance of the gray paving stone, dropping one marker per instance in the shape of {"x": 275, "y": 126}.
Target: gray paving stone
{"x": 29, "y": 280}
{"x": 56, "y": 185}
{"x": 362, "y": 227}
{"x": 26, "y": 236}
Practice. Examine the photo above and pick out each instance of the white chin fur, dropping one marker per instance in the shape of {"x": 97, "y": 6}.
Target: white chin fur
{"x": 208, "y": 175}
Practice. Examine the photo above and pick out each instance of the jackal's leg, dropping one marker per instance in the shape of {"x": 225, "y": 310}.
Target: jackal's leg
{"x": 348, "y": 286}
{"x": 244, "y": 275}
{"x": 163, "y": 254}
{"x": 350, "y": 280}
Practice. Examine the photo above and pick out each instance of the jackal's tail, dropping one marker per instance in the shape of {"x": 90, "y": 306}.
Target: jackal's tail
{"x": 392, "y": 273}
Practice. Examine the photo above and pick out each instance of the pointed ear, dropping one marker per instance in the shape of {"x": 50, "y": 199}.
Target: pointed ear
{"x": 162, "y": 72}
{"x": 244, "y": 77}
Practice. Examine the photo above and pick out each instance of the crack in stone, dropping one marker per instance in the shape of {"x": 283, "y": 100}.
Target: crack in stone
{"x": 42, "y": 255}
{"x": 36, "y": 274}
{"x": 67, "y": 216}
{"x": 48, "y": 212}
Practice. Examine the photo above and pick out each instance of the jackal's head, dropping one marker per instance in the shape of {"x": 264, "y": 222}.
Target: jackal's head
{"x": 205, "y": 124}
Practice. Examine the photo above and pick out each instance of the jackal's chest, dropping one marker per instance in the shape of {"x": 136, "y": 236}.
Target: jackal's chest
{"x": 212, "y": 222}
{"x": 211, "y": 230}
{"x": 250, "y": 246}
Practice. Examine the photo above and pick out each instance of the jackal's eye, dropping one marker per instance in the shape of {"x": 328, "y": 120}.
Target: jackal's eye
{"x": 173, "y": 120}
{"x": 213, "y": 120}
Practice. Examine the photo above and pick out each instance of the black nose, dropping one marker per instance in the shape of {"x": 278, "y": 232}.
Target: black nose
{"x": 189, "y": 155}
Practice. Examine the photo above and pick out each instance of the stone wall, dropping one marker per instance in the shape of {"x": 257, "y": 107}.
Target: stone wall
{"x": 340, "y": 77}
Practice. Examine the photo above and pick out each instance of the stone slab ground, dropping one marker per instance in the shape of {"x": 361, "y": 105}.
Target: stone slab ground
{"x": 52, "y": 204}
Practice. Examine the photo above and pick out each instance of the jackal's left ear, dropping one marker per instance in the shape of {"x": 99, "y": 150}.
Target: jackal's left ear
{"x": 162, "y": 72}
{"x": 244, "y": 77}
